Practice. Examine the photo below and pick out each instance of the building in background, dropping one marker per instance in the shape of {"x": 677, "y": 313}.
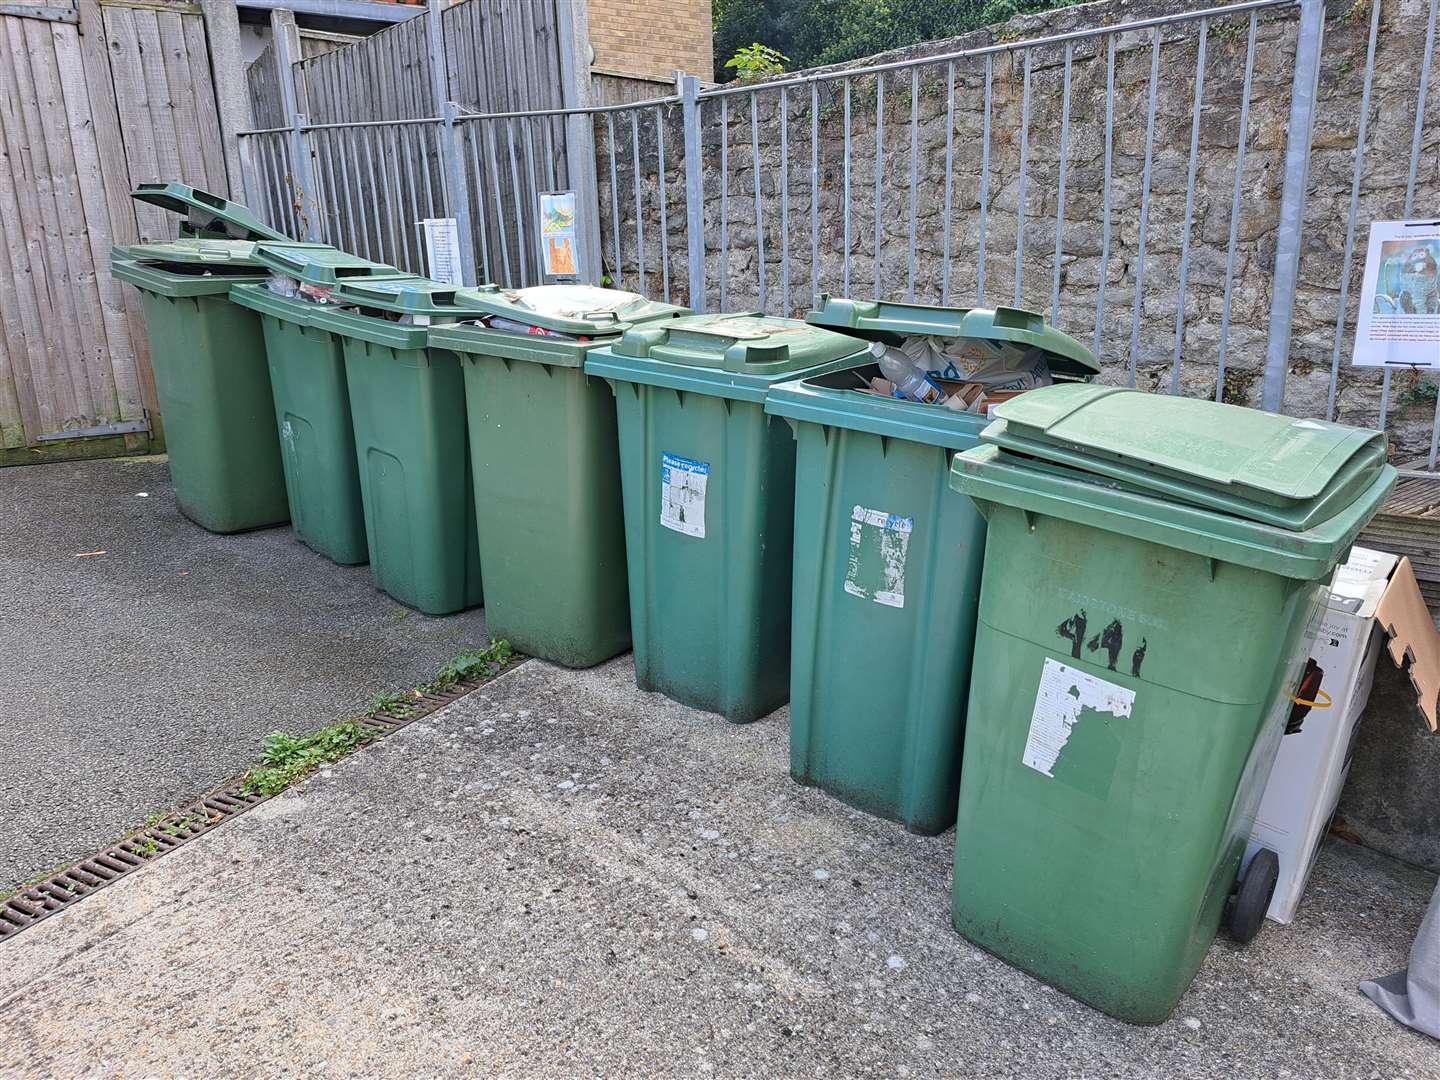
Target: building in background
{"x": 652, "y": 37}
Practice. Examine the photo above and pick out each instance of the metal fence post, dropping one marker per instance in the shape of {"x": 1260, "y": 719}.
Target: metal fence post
{"x": 457, "y": 187}
{"x": 573, "y": 38}
{"x": 286, "y": 37}
{"x": 1303, "y": 89}
{"x": 694, "y": 189}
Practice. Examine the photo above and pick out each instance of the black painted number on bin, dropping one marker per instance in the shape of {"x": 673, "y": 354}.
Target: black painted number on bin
{"x": 1111, "y": 639}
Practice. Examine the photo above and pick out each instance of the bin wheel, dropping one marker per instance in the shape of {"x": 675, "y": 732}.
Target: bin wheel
{"x": 1245, "y": 911}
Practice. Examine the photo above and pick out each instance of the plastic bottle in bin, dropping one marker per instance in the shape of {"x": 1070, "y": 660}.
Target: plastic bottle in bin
{"x": 909, "y": 381}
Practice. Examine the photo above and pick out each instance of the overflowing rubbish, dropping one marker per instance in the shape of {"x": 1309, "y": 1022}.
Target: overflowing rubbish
{"x": 514, "y": 326}
{"x": 907, "y": 380}
{"x": 961, "y": 374}
{"x": 295, "y": 289}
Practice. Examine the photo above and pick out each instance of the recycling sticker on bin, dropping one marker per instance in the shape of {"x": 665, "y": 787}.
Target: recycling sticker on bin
{"x": 875, "y": 568}
{"x": 682, "y": 494}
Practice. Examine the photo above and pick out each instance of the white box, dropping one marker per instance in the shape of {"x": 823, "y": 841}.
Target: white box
{"x": 1373, "y": 598}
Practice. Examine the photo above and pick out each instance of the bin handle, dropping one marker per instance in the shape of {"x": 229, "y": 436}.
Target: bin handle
{"x": 1323, "y": 703}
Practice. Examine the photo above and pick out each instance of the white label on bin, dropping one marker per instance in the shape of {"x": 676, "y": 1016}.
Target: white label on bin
{"x": 875, "y": 569}
{"x": 1064, "y": 692}
{"x": 682, "y": 494}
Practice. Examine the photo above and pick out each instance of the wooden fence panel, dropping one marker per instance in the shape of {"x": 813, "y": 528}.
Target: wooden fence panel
{"x": 87, "y": 110}
{"x": 501, "y": 56}
{"x": 263, "y": 80}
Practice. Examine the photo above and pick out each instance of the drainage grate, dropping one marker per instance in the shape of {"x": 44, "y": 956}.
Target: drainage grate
{"x": 59, "y": 891}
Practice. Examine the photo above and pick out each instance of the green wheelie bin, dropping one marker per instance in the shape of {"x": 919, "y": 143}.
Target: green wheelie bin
{"x": 545, "y": 464}
{"x": 407, "y": 407}
{"x": 709, "y": 486}
{"x": 1152, "y": 567}
{"x": 887, "y": 562}
{"x": 312, "y": 401}
{"x": 208, "y": 357}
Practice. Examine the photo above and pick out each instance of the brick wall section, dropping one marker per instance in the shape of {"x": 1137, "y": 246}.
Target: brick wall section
{"x": 651, "y": 37}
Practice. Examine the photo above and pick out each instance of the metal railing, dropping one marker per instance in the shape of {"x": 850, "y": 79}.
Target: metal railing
{"x": 1144, "y": 183}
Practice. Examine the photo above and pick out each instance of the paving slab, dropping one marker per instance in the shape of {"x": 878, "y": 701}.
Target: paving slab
{"x": 560, "y": 876}
{"x": 138, "y": 679}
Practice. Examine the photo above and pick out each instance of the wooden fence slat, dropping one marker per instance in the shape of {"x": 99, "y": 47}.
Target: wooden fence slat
{"x": 88, "y": 365}
{"x": 47, "y": 253}
{"x": 14, "y": 349}
{"x": 175, "y": 68}
{"x": 119, "y": 362}
{"x": 135, "y": 389}
{"x": 128, "y": 78}
{"x": 207, "y": 113}
{"x": 12, "y": 344}
{"x": 22, "y": 295}
{"x": 161, "y": 100}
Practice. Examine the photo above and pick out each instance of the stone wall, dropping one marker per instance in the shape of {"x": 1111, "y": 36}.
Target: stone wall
{"x": 1392, "y": 116}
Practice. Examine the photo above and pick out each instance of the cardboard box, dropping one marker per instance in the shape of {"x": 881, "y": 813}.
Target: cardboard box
{"x": 1374, "y": 601}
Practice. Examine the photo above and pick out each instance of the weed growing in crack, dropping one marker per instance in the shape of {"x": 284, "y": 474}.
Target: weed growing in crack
{"x": 394, "y": 702}
{"x": 471, "y": 665}
{"x": 286, "y": 758}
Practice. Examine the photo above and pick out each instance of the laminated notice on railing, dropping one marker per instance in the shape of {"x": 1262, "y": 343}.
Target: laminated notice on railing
{"x": 682, "y": 494}
{"x": 442, "y": 250}
{"x": 1399, "y": 320}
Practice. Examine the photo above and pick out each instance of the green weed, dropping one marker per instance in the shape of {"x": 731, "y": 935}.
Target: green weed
{"x": 393, "y": 702}
{"x": 1419, "y": 392}
{"x": 471, "y": 665}
{"x": 286, "y": 758}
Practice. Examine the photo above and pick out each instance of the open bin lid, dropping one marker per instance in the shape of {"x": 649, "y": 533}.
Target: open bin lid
{"x": 405, "y": 295}
{"x": 206, "y": 214}
{"x": 581, "y": 310}
{"x": 319, "y": 265}
{"x": 1250, "y": 464}
{"x": 1011, "y": 333}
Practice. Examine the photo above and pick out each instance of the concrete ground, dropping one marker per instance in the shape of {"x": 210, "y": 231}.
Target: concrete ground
{"x": 561, "y": 876}
{"x": 139, "y": 679}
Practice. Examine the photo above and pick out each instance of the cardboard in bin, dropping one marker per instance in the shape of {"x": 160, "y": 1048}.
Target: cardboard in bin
{"x": 1374, "y": 603}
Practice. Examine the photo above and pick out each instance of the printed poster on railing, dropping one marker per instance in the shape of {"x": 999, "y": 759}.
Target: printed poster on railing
{"x": 557, "y": 233}
{"x": 442, "y": 250}
{"x": 1399, "y": 323}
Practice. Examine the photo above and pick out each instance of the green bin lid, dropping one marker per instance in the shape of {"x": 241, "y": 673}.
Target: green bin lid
{"x": 206, "y": 214}
{"x": 406, "y": 295}
{"x": 736, "y": 356}
{"x": 1250, "y": 464}
{"x": 747, "y": 343}
{"x": 582, "y": 310}
{"x": 990, "y": 476}
{"x": 194, "y": 251}
{"x": 325, "y": 266}
{"x": 1013, "y": 333}
{"x": 194, "y": 266}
